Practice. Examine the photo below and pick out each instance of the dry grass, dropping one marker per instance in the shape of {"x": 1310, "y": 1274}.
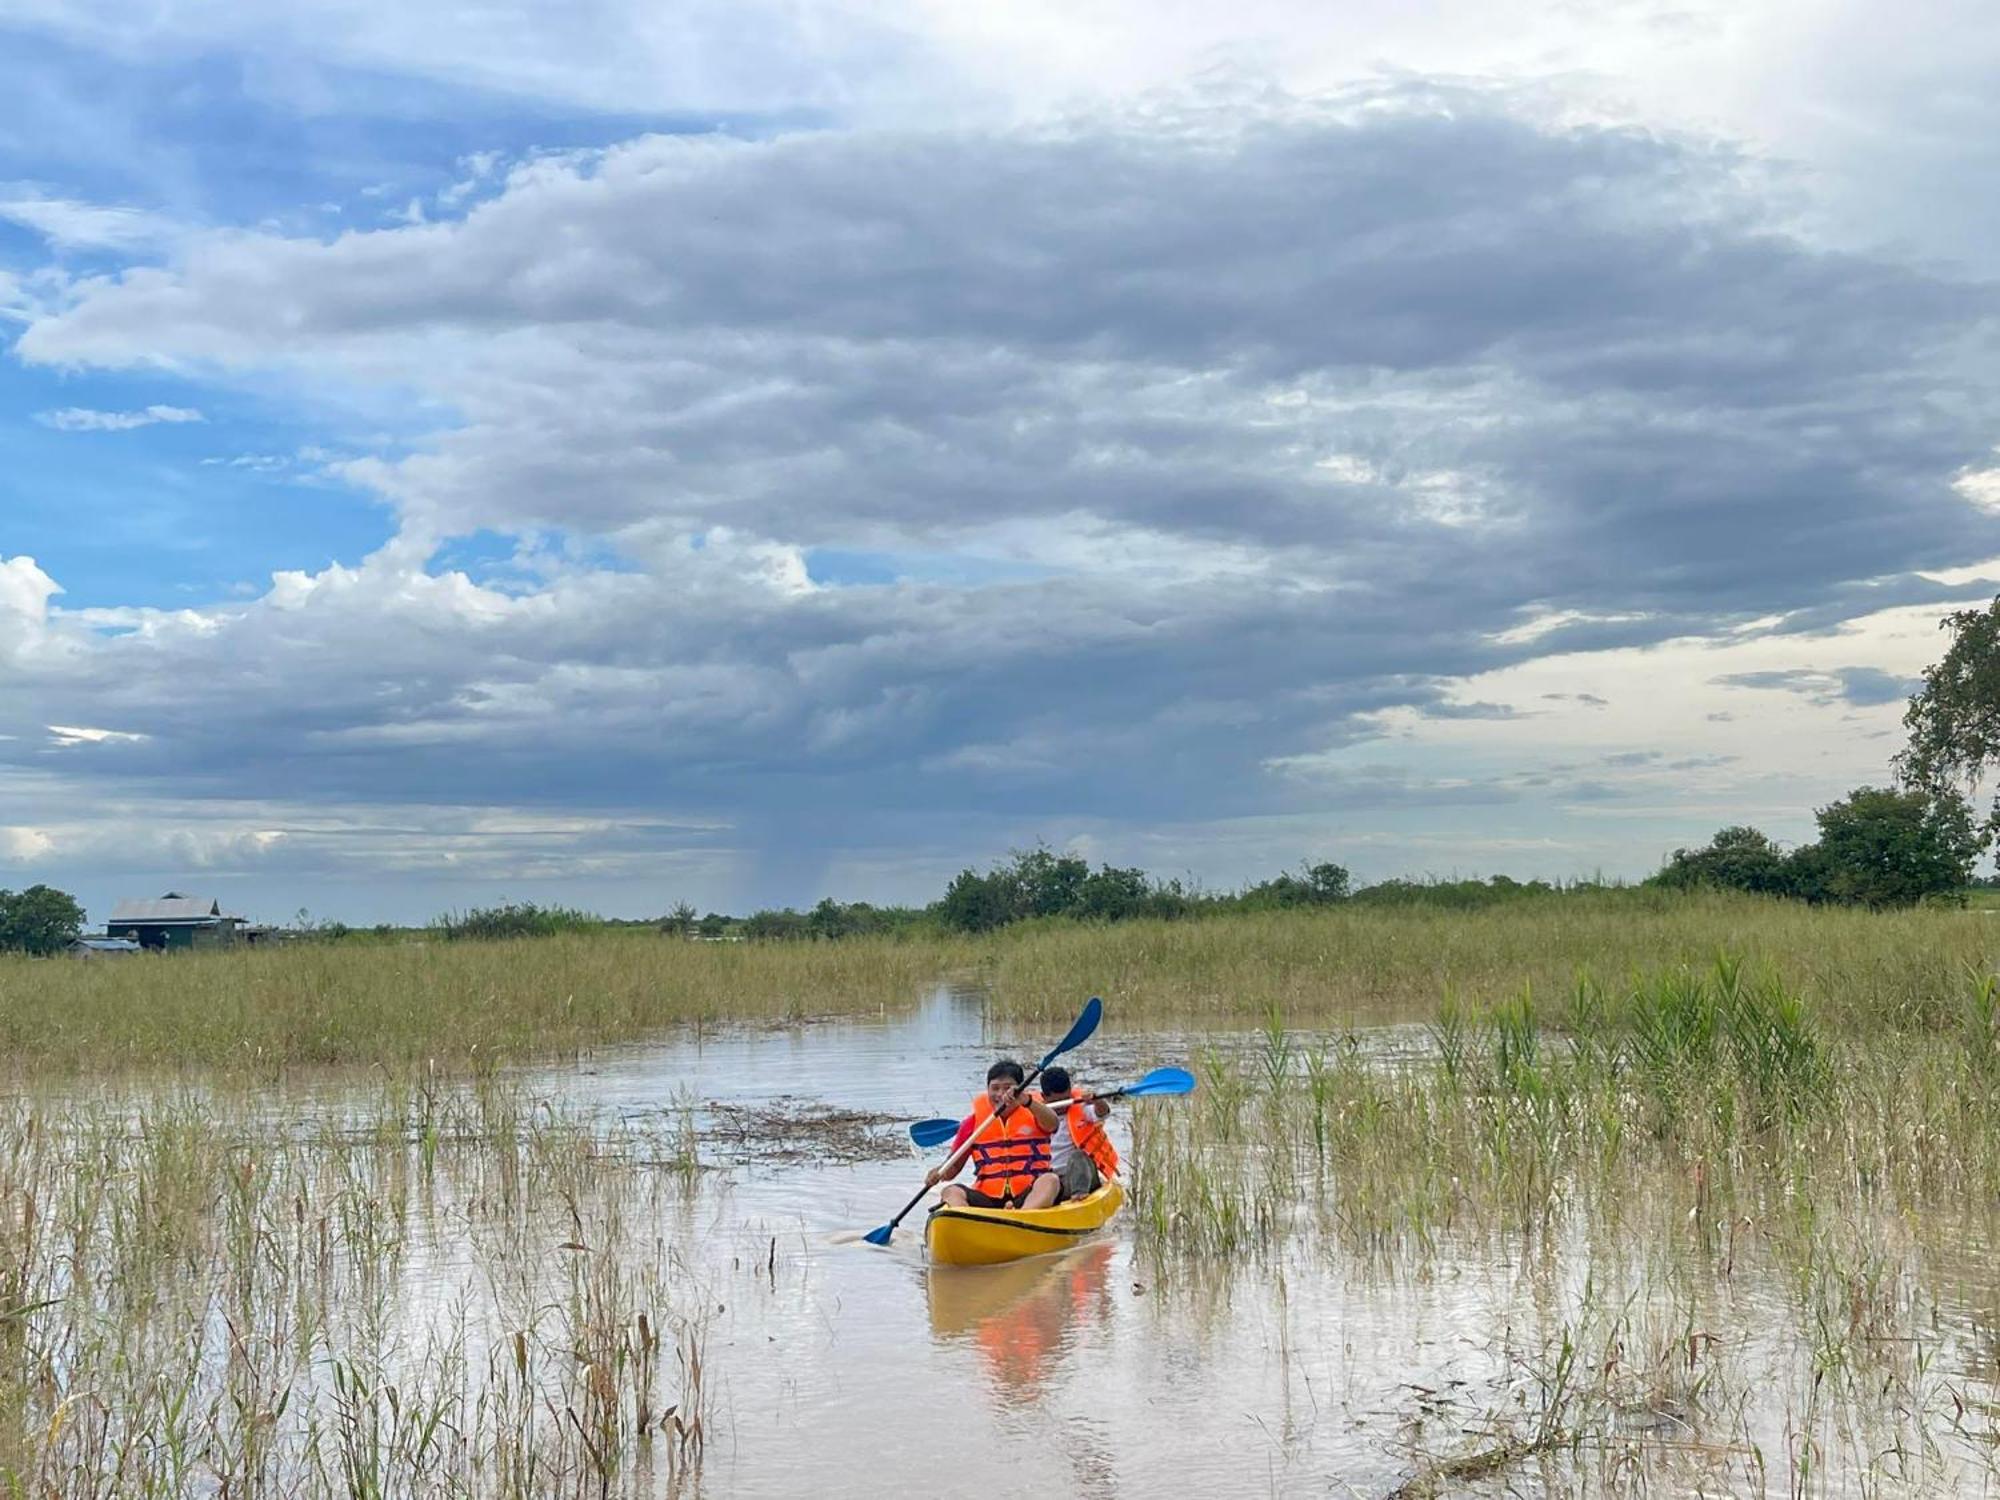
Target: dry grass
{"x": 463, "y": 1004}
{"x": 1354, "y": 964}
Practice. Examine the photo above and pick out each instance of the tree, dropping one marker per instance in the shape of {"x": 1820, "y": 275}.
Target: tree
{"x": 781, "y": 923}
{"x": 1049, "y": 882}
{"x": 1736, "y": 859}
{"x": 680, "y": 922}
{"x": 1954, "y": 716}
{"x": 1322, "y": 884}
{"x": 980, "y": 903}
{"x": 1111, "y": 895}
{"x": 1881, "y": 847}
{"x": 39, "y": 920}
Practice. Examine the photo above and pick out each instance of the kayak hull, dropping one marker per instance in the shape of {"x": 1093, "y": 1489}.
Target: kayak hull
{"x": 994, "y": 1236}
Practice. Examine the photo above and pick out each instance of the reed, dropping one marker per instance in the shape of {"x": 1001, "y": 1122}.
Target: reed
{"x": 1356, "y": 965}
{"x": 1634, "y": 1155}
{"x": 204, "y": 1295}
{"x": 467, "y": 1005}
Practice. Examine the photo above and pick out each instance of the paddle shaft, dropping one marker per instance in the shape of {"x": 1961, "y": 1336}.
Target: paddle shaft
{"x": 928, "y": 1133}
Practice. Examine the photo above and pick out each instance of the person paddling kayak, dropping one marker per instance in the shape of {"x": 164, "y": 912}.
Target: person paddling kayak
{"x": 1011, "y": 1167}
{"x": 1081, "y": 1154}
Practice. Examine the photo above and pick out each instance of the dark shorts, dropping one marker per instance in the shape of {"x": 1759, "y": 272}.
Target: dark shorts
{"x": 976, "y": 1199}
{"x": 1079, "y": 1178}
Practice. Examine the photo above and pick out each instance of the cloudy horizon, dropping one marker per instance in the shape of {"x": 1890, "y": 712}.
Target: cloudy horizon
{"x": 745, "y": 454}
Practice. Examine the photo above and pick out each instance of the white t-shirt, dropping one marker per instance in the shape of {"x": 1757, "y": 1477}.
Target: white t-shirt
{"x": 1062, "y": 1145}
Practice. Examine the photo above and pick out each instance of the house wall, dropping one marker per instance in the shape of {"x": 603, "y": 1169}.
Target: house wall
{"x": 174, "y": 937}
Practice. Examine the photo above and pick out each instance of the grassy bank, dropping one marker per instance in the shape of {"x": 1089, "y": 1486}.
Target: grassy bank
{"x": 1344, "y": 965}
{"x": 464, "y": 1003}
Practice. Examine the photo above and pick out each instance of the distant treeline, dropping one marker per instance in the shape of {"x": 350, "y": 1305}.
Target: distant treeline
{"x": 1040, "y": 884}
{"x": 1877, "y": 848}
{"x": 1030, "y": 885}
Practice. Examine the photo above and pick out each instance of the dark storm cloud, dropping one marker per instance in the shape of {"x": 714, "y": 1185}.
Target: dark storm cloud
{"x": 1300, "y": 410}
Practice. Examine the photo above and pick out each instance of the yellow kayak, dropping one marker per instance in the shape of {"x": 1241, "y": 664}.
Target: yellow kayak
{"x": 993, "y": 1236}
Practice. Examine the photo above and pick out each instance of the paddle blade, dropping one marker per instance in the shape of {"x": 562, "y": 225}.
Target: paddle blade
{"x": 880, "y": 1236}
{"x": 929, "y": 1133}
{"x": 1162, "y": 1081}
{"x": 1086, "y": 1023}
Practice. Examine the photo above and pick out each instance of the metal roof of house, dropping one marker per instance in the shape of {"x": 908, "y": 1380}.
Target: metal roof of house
{"x": 171, "y": 907}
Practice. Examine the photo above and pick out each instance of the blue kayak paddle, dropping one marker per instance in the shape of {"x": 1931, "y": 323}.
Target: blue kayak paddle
{"x": 1086, "y": 1023}
{"x": 1161, "y": 1081}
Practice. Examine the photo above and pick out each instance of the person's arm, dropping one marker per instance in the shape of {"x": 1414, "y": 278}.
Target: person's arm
{"x": 1044, "y": 1116}
{"x": 937, "y": 1173}
{"x": 1098, "y": 1107}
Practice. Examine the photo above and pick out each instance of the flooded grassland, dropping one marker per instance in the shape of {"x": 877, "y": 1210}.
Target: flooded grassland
{"x": 1710, "y": 1227}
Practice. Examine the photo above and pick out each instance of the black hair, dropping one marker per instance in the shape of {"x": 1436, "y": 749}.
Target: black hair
{"x": 1007, "y": 1068}
{"x": 1055, "y": 1082}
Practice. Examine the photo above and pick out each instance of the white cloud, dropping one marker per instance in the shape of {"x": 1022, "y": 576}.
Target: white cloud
{"x": 76, "y": 734}
{"x": 83, "y": 419}
{"x": 1981, "y": 487}
{"x": 22, "y": 845}
{"x": 71, "y": 225}
{"x": 25, "y": 592}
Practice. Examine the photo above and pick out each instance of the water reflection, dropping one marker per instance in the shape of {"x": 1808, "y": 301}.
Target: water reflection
{"x": 1023, "y": 1321}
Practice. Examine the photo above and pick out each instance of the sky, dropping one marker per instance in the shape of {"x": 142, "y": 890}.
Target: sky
{"x": 630, "y": 453}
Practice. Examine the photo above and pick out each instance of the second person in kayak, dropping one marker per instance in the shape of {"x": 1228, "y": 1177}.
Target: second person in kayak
{"x": 1081, "y": 1155}
{"x": 1011, "y": 1166}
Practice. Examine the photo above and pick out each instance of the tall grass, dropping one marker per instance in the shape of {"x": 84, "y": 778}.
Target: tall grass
{"x": 467, "y": 1003}
{"x": 438, "y": 1293}
{"x": 1662, "y": 1141}
{"x": 1354, "y": 964}
{"x": 464, "y": 1004}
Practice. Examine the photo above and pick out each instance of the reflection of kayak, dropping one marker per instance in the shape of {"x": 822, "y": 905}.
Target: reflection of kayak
{"x": 989, "y": 1236}
{"x": 1024, "y": 1322}
{"x": 966, "y": 1300}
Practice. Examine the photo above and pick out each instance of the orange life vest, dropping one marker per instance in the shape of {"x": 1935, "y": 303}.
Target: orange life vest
{"x": 1008, "y": 1157}
{"x": 1092, "y": 1139}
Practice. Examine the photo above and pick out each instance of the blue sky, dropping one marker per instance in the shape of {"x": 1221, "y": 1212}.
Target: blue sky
{"x": 740, "y": 454}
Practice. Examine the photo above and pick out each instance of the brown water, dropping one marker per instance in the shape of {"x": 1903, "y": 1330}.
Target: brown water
{"x": 1299, "y": 1369}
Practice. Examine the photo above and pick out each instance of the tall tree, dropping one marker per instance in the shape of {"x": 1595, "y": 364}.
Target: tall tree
{"x": 1954, "y": 718}
{"x": 40, "y": 920}
{"x": 1879, "y": 847}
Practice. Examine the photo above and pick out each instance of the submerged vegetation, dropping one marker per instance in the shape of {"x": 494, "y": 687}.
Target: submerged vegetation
{"x": 436, "y": 1292}
{"x": 1652, "y": 1154}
